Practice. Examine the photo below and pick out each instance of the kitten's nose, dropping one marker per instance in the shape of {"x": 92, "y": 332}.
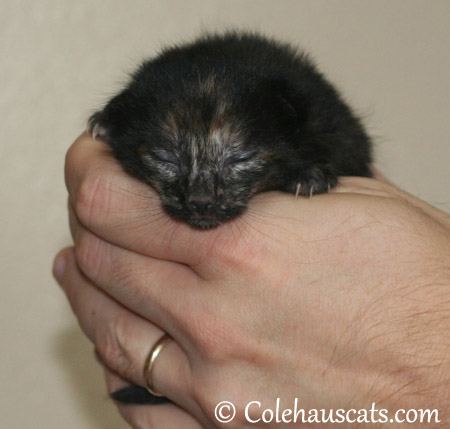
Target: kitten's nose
{"x": 201, "y": 203}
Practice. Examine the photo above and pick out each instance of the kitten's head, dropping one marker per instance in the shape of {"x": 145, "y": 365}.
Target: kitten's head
{"x": 205, "y": 155}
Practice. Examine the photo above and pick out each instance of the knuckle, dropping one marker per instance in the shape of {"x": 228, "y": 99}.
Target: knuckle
{"x": 203, "y": 328}
{"x": 86, "y": 199}
{"x": 74, "y": 160}
{"x": 216, "y": 340}
{"x": 104, "y": 264}
{"x": 236, "y": 254}
{"x": 92, "y": 199}
{"x": 225, "y": 249}
{"x": 88, "y": 254}
{"x": 112, "y": 345}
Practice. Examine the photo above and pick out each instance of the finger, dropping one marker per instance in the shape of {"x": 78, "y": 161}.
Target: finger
{"x": 109, "y": 202}
{"x": 371, "y": 187}
{"x": 362, "y": 185}
{"x": 153, "y": 288}
{"x": 168, "y": 416}
{"x": 123, "y": 340}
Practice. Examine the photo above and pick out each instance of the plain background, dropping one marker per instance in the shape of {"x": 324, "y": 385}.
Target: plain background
{"x": 61, "y": 59}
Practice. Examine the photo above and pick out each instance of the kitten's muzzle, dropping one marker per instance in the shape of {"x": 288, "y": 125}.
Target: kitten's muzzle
{"x": 203, "y": 208}
{"x": 200, "y": 203}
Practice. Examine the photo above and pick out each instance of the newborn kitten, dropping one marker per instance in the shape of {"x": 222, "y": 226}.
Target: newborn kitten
{"x": 211, "y": 123}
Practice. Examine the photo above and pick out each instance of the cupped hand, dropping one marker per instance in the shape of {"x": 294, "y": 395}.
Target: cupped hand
{"x": 341, "y": 300}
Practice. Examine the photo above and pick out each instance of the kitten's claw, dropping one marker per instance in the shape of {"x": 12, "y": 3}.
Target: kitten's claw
{"x": 316, "y": 180}
{"x": 98, "y": 131}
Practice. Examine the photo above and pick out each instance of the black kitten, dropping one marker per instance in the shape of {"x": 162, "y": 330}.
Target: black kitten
{"x": 211, "y": 123}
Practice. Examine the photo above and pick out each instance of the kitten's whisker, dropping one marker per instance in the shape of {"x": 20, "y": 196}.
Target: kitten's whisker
{"x": 144, "y": 217}
{"x": 252, "y": 226}
{"x": 162, "y": 217}
{"x": 149, "y": 210}
{"x": 263, "y": 219}
{"x": 114, "y": 188}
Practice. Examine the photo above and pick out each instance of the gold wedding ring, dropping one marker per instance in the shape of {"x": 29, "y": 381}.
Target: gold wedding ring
{"x": 150, "y": 362}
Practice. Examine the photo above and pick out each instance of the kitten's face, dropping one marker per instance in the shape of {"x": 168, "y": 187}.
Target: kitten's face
{"x": 204, "y": 177}
{"x": 205, "y": 155}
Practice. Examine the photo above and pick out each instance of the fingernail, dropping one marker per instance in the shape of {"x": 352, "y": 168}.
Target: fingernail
{"x": 59, "y": 266}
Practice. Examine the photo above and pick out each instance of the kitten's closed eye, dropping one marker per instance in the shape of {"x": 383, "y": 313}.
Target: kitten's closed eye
{"x": 161, "y": 165}
{"x": 163, "y": 156}
{"x": 159, "y": 157}
{"x": 240, "y": 157}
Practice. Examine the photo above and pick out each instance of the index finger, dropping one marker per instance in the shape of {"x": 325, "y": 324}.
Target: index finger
{"x": 125, "y": 211}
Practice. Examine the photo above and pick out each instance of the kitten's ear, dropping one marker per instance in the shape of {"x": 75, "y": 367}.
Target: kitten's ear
{"x": 97, "y": 126}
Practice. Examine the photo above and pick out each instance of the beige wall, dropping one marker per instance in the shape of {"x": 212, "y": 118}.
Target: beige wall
{"x": 59, "y": 59}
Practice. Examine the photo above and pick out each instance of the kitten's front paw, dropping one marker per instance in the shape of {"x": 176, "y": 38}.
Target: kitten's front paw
{"x": 314, "y": 180}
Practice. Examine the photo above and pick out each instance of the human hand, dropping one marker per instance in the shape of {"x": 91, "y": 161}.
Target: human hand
{"x": 341, "y": 300}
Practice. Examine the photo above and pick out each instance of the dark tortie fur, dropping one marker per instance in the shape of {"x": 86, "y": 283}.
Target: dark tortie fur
{"x": 211, "y": 123}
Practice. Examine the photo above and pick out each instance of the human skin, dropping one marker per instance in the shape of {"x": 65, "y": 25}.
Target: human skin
{"x": 341, "y": 300}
